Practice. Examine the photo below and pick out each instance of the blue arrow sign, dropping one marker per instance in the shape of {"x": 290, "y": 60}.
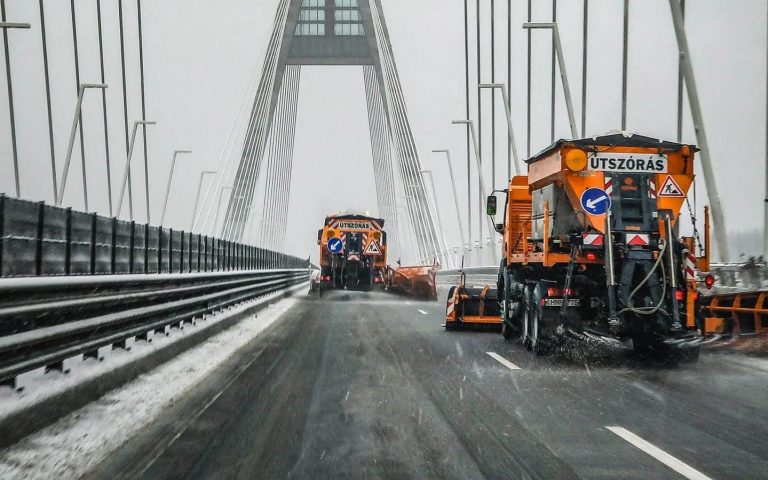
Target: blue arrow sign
{"x": 595, "y": 201}
{"x": 335, "y": 245}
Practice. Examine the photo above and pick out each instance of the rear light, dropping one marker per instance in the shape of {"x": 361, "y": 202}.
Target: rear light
{"x": 695, "y": 295}
{"x": 678, "y": 295}
{"x": 543, "y": 302}
{"x": 709, "y": 281}
{"x": 591, "y": 257}
{"x": 376, "y": 280}
{"x": 552, "y": 292}
{"x": 557, "y": 292}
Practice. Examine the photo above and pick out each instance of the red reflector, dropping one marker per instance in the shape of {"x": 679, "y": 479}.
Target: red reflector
{"x": 709, "y": 281}
{"x": 678, "y": 295}
{"x": 543, "y": 302}
{"x": 568, "y": 292}
{"x": 695, "y": 296}
{"x": 591, "y": 257}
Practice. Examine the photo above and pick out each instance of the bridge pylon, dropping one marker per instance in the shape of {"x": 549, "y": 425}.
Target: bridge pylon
{"x": 328, "y": 32}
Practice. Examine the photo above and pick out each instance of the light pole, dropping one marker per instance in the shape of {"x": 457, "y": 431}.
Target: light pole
{"x": 197, "y": 197}
{"x": 510, "y": 130}
{"x": 409, "y": 208}
{"x": 5, "y": 26}
{"x": 561, "y": 64}
{"x": 71, "y": 144}
{"x": 168, "y": 187}
{"x": 127, "y": 170}
{"x": 471, "y": 125}
{"x": 455, "y": 196}
{"x": 447, "y": 253}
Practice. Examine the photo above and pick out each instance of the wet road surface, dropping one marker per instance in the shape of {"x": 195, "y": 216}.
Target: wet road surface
{"x": 367, "y": 385}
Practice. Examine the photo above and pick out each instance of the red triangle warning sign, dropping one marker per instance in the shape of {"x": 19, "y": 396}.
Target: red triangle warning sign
{"x": 670, "y": 188}
{"x": 372, "y": 248}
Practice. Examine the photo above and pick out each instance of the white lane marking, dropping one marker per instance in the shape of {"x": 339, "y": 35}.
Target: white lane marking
{"x": 683, "y": 469}
{"x": 422, "y": 312}
{"x": 503, "y": 361}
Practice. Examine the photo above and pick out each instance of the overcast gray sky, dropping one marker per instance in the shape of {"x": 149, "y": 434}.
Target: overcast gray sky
{"x": 201, "y": 56}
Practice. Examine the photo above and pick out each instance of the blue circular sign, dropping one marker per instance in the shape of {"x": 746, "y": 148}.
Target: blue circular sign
{"x": 595, "y": 201}
{"x": 335, "y": 245}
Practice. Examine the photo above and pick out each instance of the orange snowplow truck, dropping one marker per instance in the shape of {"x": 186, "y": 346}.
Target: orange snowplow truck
{"x": 592, "y": 247}
{"x": 353, "y": 252}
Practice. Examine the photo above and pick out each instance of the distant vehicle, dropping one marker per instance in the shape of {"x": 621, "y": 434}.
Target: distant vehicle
{"x": 591, "y": 246}
{"x": 353, "y": 252}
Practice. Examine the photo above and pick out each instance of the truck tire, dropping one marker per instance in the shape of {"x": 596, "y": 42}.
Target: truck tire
{"x": 526, "y": 313}
{"x": 536, "y": 342}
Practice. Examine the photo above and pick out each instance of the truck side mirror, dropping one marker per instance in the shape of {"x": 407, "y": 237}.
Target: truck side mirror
{"x": 499, "y": 227}
{"x": 319, "y": 235}
{"x": 490, "y": 206}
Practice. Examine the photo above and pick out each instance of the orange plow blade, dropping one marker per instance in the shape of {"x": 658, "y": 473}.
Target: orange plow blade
{"x": 417, "y": 281}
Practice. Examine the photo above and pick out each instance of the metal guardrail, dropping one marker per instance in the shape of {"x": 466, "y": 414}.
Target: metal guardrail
{"x": 44, "y": 321}
{"x": 42, "y": 240}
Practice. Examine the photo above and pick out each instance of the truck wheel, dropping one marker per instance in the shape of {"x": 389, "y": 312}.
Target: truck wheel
{"x": 537, "y": 342}
{"x": 526, "y": 311}
{"x": 506, "y": 331}
{"x": 689, "y": 355}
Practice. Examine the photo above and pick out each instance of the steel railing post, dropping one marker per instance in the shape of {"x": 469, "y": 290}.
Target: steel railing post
{"x": 146, "y": 248}
{"x": 68, "y": 242}
{"x": 94, "y": 223}
{"x": 2, "y": 231}
{"x": 113, "y": 249}
{"x": 132, "y": 247}
{"x": 39, "y": 239}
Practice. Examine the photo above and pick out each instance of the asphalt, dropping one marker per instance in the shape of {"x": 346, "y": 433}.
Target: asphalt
{"x": 366, "y": 386}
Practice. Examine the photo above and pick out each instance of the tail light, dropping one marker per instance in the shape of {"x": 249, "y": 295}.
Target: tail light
{"x": 558, "y": 292}
{"x": 552, "y": 292}
{"x": 376, "y": 280}
{"x": 709, "y": 281}
{"x": 591, "y": 256}
{"x": 679, "y": 295}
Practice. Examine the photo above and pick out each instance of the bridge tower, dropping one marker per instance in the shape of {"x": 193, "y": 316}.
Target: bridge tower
{"x": 328, "y": 32}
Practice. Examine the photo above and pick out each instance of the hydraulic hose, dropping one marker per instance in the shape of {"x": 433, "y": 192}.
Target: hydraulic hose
{"x": 654, "y": 309}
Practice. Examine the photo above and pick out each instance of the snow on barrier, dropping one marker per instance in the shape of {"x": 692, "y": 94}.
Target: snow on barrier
{"x": 44, "y": 321}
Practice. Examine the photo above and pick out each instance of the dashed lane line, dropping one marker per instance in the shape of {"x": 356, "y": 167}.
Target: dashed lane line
{"x": 680, "y": 467}
{"x": 422, "y": 312}
{"x": 503, "y": 361}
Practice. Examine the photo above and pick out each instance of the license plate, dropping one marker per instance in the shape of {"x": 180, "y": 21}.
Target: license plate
{"x": 558, "y": 302}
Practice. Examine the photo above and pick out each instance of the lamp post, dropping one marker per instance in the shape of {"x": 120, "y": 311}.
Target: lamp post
{"x": 127, "y": 170}
{"x": 439, "y": 218}
{"x": 510, "y": 130}
{"x": 491, "y": 228}
{"x": 71, "y": 144}
{"x": 561, "y": 64}
{"x": 168, "y": 187}
{"x": 5, "y": 26}
{"x": 455, "y": 196}
{"x": 197, "y": 197}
